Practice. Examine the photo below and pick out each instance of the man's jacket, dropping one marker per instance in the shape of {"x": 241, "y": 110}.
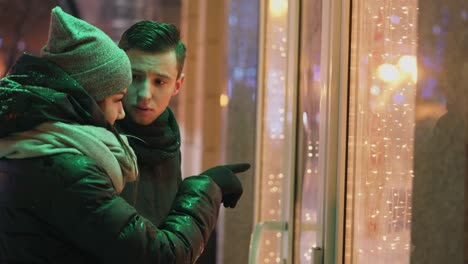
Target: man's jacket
{"x": 157, "y": 147}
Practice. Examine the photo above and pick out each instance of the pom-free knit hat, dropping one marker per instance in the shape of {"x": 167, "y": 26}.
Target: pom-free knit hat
{"x": 87, "y": 54}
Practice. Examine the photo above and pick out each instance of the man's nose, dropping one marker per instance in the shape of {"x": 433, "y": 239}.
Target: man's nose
{"x": 144, "y": 92}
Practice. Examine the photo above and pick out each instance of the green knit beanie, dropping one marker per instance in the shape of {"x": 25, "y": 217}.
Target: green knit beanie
{"x": 87, "y": 54}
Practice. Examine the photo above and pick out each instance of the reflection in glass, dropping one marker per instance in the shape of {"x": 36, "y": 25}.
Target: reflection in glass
{"x": 438, "y": 234}
{"x": 309, "y": 216}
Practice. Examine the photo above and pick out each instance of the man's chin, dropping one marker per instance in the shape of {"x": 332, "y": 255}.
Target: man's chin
{"x": 142, "y": 120}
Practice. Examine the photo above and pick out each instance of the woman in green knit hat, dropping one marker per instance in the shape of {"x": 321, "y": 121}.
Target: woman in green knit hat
{"x": 63, "y": 165}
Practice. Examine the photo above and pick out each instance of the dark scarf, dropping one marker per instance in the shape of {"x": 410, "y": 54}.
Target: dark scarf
{"x": 155, "y": 142}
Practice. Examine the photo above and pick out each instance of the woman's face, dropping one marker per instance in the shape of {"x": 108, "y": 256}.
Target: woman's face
{"x": 112, "y": 106}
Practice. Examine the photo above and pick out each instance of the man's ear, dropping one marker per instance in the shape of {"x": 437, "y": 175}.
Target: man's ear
{"x": 179, "y": 83}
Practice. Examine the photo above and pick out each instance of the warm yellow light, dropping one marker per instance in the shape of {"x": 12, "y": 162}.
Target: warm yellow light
{"x": 414, "y": 75}
{"x": 388, "y": 72}
{"x": 223, "y": 100}
{"x": 278, "y": 8}
{"x": 408, "y": 64}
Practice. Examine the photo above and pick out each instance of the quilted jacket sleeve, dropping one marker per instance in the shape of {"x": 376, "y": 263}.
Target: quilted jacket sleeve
{"x": 90, "y": 214}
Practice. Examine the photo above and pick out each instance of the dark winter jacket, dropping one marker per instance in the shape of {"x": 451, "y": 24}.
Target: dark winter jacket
{"x": 63, "y": 208}
{"x": 157, "y": 147}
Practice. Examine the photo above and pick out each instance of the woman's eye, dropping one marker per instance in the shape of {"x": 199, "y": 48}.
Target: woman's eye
{"x": 119, "y": 98}
{"x": 137, "y": 77}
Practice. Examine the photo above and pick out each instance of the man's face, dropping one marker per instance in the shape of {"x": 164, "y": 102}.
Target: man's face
{"x": 154, "y": 83}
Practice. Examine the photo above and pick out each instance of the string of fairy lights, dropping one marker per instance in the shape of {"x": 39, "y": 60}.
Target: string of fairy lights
{"x": 275, "y": 135}
{"x": 387, "y": 71}
{"x": 275, "y": 140}
{"x": 387, "y": 68}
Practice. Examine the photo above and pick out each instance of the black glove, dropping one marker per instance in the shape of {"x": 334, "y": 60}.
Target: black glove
{"x": 231, "y": 187}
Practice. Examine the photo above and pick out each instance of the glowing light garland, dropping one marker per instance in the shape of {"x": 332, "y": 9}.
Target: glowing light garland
{"x": 384, "y": 138}
{"x": 274, "y": 139}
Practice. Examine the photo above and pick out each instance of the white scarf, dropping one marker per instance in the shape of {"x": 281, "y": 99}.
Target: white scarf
{"x": 97, "y": 143}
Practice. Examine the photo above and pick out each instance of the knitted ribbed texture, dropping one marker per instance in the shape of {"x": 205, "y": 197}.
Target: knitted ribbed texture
{"x": 87, "y": 54}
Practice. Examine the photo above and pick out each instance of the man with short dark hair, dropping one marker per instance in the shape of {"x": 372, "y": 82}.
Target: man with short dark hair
{"x": 157, "y": 57}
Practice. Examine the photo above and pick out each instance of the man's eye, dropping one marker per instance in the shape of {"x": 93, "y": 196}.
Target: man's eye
{"x": 159, "y": 82}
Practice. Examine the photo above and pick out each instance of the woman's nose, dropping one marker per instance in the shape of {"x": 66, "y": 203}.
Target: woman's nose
{"x": 121, "y": 114}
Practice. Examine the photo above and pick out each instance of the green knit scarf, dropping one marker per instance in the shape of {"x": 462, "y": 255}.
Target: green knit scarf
{"x": 97, "y": 143}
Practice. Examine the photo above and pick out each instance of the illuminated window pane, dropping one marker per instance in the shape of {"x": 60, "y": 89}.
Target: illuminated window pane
{"x": 381, "y": 139}
{"x": 277, "y": 135}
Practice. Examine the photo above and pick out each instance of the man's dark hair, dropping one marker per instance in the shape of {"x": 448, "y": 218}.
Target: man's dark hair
{"x": 151, "y": 36}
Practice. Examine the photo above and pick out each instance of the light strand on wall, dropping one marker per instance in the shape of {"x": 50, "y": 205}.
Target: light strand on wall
{"x": 384, "y": 189}
{"x": 274, "y": 136}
